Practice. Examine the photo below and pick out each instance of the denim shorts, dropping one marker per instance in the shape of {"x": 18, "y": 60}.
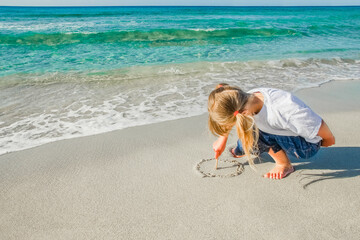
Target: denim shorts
{"x": 293, "y": 145}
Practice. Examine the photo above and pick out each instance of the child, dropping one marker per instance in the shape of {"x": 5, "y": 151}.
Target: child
{"x": 267, "y": 120}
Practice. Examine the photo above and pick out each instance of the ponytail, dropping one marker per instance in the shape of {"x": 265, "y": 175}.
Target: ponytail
{"x": 248, "y": 134}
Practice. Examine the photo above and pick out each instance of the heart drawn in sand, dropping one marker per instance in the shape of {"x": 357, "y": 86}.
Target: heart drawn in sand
{"x": 233, "y": 168}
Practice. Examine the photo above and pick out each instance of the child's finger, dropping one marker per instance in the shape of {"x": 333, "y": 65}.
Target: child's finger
{"x": 217, "y": 154}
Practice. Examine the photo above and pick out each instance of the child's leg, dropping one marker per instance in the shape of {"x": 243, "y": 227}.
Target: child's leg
{"x": 238, "y": 150}
{"x": 285, "y": 146}
{"x": 297, "y": 146}
{"x": 282, "y": 167}
{"x": 279, "y": 148}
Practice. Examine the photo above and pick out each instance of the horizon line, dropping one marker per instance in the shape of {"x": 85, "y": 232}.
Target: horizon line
{"x": 186, "y": 6}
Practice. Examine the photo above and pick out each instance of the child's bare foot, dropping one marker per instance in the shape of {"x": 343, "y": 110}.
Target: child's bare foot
{"x": 280, "y": 171}
{"x": 234, "y": 155}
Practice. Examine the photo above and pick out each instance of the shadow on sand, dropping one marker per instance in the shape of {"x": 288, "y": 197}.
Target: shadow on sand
{"x": 328, "y": 163}
{"x": 331, "y": 163}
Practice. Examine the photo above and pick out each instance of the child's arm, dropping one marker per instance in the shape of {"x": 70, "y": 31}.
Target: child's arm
{"x": 326, "y": 135}
{"x": 219, "y": 145}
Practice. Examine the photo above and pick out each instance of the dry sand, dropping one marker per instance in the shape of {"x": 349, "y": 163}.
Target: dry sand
{"x": 141, "y": 183}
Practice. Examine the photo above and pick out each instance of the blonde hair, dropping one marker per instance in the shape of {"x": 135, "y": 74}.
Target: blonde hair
{"x": 223, "y": 102}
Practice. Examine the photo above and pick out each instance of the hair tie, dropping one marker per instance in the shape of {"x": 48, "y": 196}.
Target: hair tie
{"x": 236, "y": 113}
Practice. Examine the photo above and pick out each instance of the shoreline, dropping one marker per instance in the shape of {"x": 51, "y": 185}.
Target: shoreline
{"x": 295, "y": 91}
{"x": 141, "y": 183}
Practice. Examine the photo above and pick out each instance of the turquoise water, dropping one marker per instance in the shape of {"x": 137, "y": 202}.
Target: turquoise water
{"x": 75, "y": 71}
{"x": 99, "y": 38}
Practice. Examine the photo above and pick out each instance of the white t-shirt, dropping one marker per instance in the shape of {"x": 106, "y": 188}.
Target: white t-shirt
{"x": 286, "y": 115}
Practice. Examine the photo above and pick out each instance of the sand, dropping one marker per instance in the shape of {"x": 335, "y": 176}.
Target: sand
{"x": 141, "y": 183}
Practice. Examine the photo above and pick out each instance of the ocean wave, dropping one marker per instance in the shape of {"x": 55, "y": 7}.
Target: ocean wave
{"x": 337, "y": 28}
{"x": 152, "y": 36}
{"x": 76, "y": 15}
{"x": 135, "y": 73}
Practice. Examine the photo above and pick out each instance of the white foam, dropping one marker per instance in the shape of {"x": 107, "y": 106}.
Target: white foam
{"x": 207, "y": 29}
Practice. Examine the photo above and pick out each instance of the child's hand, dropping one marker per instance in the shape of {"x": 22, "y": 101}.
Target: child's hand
{"x": 219, "y": 146}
